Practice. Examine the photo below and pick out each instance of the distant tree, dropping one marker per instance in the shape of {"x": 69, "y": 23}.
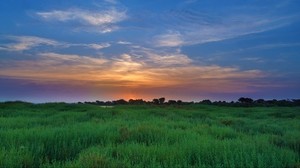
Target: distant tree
{"x": 99, "y": 102}
{"x": 249, "y": 100}
{"x": 296, "y": 102}
{"x": 241, "y": 100}
{"x": 172, "y": 102}
{"x": 284, "y": 103}
{"x": 140, "y": 101}
{"x": 206, "y": 101}
{"x": 120, "y": 101}
{"x": 155, "y": 101}
{"x": 245, "y": 100}
{"x": 179, "y": 101}
{"x": 274, "y": 101}
{"x": 108, "y": 103}
{"x": 137, "y": 101}
{"x": 260, "y": 101}
{"x": 131, "y": 101}
{"x": 161, "y": 100}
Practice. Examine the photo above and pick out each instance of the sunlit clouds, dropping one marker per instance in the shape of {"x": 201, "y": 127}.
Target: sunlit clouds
{"x": 142, "y": 73}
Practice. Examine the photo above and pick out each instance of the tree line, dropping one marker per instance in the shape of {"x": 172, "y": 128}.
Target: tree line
{"x": 243, "y": 101}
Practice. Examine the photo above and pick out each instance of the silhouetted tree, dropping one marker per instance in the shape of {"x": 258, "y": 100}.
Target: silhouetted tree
{"x": 241, "y": 100}
{"x": 155, "y": 101}
{"x": 296, "y": 102}
{"x": 260, "y": 101}
{"x": 137, "y": 101}
{"x": 206, "y": 101}
{"x": 172, "y": 102}
{"x": 131, "y": 101}
{"x": 179, "y": 102}
{"x": 245, "y": 100}
{"x": 108, "y": 103}
{"x": 161, "y": 100}
{"x": 120, "y": 101}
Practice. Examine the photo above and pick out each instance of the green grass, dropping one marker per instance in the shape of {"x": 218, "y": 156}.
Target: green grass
{"x": 80, "y": 135}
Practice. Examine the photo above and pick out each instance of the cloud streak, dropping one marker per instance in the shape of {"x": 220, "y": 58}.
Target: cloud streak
{"x": 103, "y": 21}
{"x": 170, "y": 39}
{"x": 23, "y": 43}
{"x": 189, "y": 27}
{"x": 92, "y": 46}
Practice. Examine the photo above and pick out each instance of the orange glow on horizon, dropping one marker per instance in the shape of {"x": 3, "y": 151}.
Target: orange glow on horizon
{"x": 129, "y": 96}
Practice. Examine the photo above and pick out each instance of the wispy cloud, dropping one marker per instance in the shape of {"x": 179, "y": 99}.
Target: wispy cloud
{"x": 164, "y": 59}
{"x": 111, "y": 1}
{"x": 98, "y": 46}
{"x": 170, "y": 39}
{"x": 254, "y": 59}
{"x": 103, "y": 21}
{"x": 124, "y": 42}
{"x": 190, "y": 1}
{"x": 188, "y": 26}
{"x": 74, "y": 59}
{"x": 258, "y": 46}
{"x": 126, "y": 64}
{"x": 92, "y": 45}
{"x": 22, "y": 43}
{"x": 274, "y": 45}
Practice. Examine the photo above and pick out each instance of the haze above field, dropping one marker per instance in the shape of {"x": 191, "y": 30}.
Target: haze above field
{"x": 178, "y": 49}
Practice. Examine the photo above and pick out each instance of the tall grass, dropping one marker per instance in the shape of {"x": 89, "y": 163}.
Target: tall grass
{"x": 78, "y": 135}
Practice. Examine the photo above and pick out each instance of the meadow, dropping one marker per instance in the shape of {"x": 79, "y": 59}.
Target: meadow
{"x": 83, "y": 135}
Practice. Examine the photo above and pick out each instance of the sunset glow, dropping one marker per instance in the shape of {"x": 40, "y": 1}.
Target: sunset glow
{"x": 191, "y": 50}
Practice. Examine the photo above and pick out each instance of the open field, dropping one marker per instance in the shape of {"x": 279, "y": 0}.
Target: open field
{"x": 81, "y": 135}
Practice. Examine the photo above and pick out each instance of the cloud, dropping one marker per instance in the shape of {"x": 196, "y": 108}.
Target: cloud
{"x": 87, "y": 17}
{"x": 98, "y": 46}
{"x": 92, "y": 45}
{"x": 111, "y": 1}
{"x": 178, "y": 59}
{"x": 254, "y": 59}
{"x": 27, "y": 42}
{"x": 190, "y": 1}
{"x": 22, "y": 43}
{"x": 125, "y": 64}
{"x": 257, "y": 46}
{"x": 124, "y": 42}
{"x": 231, "y": 27}
{"x": 167, "y": 59}
{"x": 162, "y": 57}
{"x": 171, "y": 39}
{"x": 189, "y": 25}
{"x": 74, "y": 59}
{"x": 274, "y": 45}
{"x": 102, "y": 21}
{"x": 150, "y": 71}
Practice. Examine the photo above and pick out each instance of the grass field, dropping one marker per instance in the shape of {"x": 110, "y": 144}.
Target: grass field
{"x": 81, "y": 135}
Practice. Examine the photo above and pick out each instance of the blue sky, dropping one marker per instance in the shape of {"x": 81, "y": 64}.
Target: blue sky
{"x": 180, "y": 49}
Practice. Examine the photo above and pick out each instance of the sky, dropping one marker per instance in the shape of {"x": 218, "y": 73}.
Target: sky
{"x": 87, "y": 50}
